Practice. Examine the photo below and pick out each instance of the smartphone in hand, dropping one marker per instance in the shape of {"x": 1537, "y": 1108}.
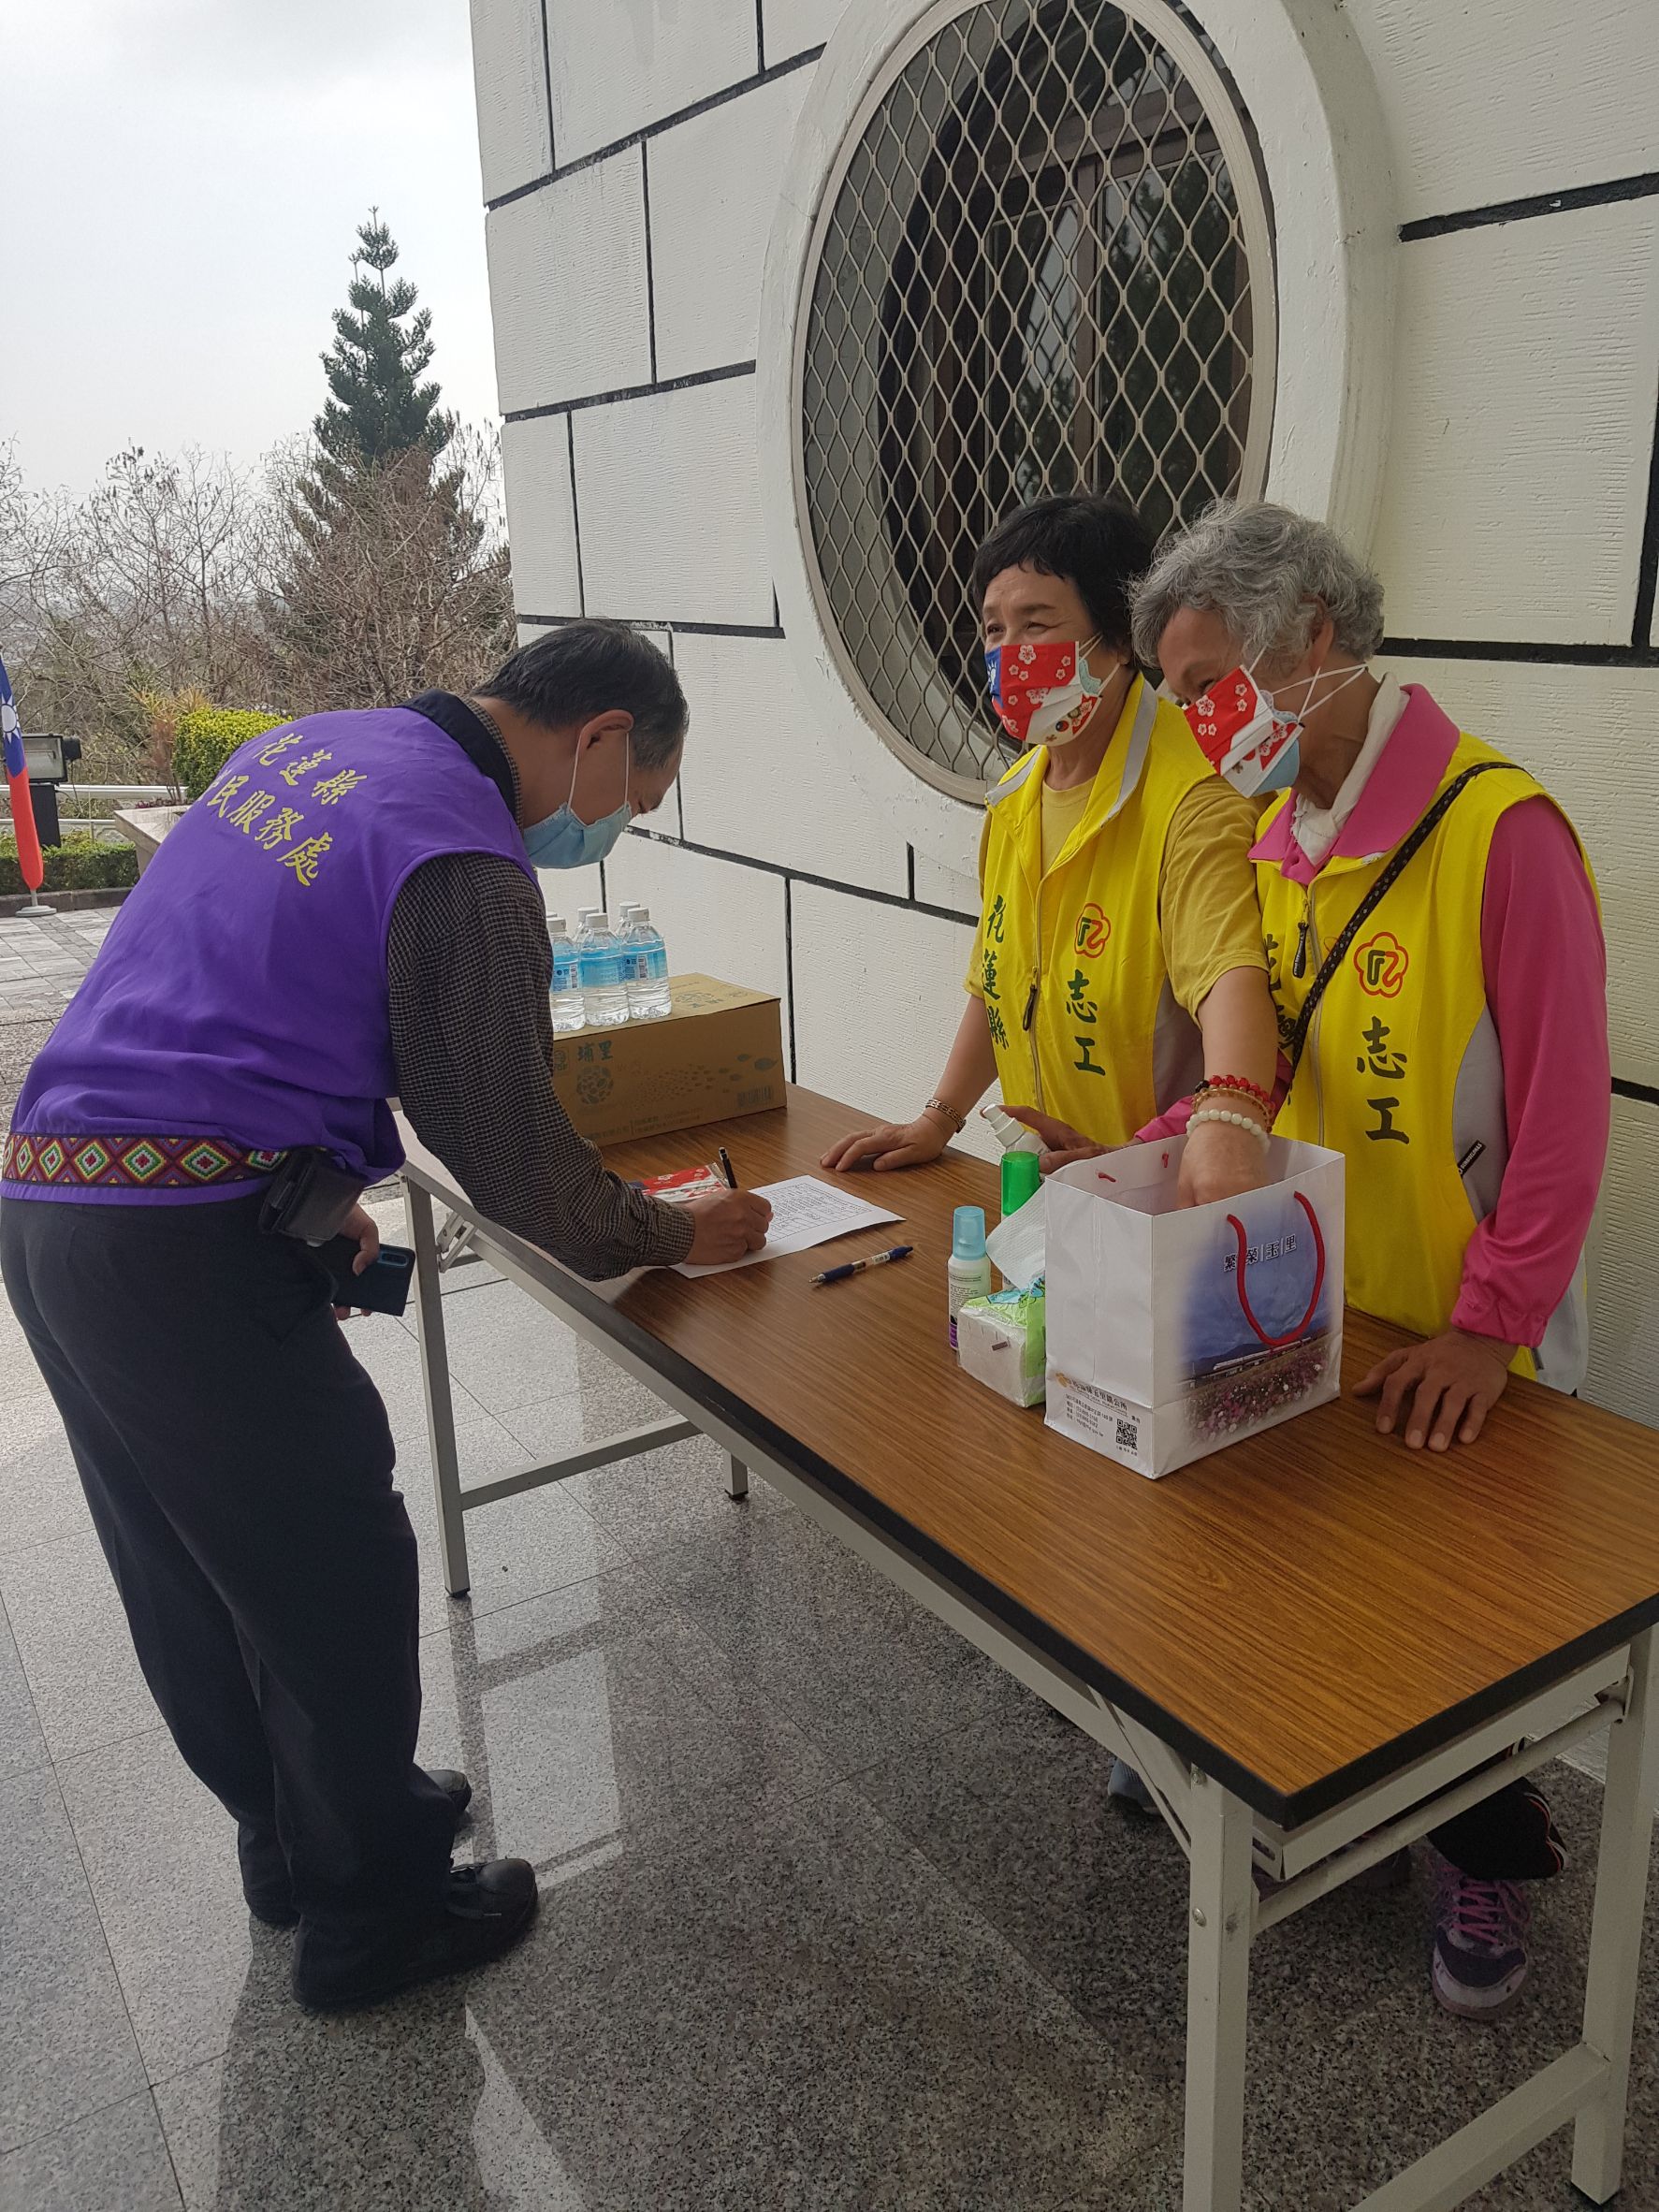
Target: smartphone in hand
{"x": 382, "y": 1288}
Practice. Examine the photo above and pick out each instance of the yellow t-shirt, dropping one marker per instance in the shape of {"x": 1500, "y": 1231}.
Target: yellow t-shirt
{"x": 1062, "y": 810}
{"x": 1208, "y": 911}
{"x": 1208, "y": 914}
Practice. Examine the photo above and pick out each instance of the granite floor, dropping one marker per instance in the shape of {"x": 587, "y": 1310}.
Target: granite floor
{"x": 834, "y": 1915}
{"x": 41, "y": 964}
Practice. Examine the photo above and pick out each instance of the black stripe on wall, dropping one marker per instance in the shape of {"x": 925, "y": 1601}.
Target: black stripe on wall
{"x": 1543, "y": 203}
{"x": 1647, "y": 573}
{"x": 635, "y": 391}
{"x": 675, "y": 629}
{"x": 645, "y": 186}
{"x": 1498, "y": 649}
{"x": 667, "y": 123}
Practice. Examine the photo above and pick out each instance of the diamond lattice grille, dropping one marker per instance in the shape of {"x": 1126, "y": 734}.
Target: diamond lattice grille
{"x": 1033, "y": 278}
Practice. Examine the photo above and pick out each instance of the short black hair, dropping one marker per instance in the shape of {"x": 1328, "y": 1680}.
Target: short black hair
{"x": 1099, "y": 544}
{"x": 581, "y": 669}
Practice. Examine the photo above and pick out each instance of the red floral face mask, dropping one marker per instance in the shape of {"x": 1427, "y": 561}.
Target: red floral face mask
{"x": 1044, "y": 695}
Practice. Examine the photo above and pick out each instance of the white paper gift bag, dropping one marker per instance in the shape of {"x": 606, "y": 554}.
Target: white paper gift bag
{"x": 1172, "y": 1331}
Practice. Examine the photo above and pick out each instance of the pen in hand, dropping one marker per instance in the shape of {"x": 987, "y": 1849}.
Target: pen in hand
{"x": 857, "y": 1267}
{"x": 729, "y": 1171}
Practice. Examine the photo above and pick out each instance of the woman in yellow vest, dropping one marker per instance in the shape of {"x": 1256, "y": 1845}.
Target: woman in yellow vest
{"x": 1435, "y": 946}
{"x": 1118, "y": 960}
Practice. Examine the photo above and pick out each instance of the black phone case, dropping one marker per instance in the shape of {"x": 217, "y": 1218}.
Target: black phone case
{"x": 382, "y": 1288}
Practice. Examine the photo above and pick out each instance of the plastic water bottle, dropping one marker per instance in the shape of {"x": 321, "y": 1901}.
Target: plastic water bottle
{"x": 648, "y": 997}
{"x": 568, "y": 1009}
{"x": 599, "y": 971}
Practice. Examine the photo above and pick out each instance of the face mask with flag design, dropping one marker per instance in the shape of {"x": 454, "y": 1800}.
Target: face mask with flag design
{"x": 1044, "y": 695}
{"x": 1245, "y": 736}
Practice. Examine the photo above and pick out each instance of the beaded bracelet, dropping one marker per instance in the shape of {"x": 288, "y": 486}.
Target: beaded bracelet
{"x": 1242, "y": 1085}
{"x": 1236, "y": 1121}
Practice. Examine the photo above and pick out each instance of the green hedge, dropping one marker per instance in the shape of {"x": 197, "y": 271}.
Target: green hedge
{"x": 76, "y": 864}
{"x": 207, "y": 737}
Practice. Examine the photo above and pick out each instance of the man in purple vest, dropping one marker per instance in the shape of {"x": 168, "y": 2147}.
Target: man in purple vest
{"x": 351, "y": 912}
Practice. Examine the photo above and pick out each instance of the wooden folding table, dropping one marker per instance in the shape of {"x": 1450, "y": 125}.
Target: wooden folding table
{"x": 1315, "y": 1646}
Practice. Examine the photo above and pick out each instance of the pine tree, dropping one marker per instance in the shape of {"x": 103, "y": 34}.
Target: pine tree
{"x": 392, "y": 573}
{"x": 380, "y": 409}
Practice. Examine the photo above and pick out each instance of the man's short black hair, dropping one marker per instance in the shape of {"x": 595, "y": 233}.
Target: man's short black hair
{"x": 1099, "y": 545}
{"x": 582, "y": 669}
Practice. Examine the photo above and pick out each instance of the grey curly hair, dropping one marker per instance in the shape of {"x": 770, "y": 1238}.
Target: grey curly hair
{"x": 1267, "y": 573}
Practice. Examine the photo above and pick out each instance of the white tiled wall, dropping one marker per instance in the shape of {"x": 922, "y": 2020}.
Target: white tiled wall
{"x": 540, "y": 514}
{"x": 1526, "y": 369}
{"x": 618, "y": 64}
{"x": 510, "y": 75}
{"x": 668, "y": 489}
{"x": 1527, "y": 364}
{"x": 760, "y": 779}
{"x": 793, "y": 25}
{"x": 567, "y": 287}
{"x": 1624, "y": 1282}
{"x": 1492, "y": 100}
{"x": 714, "y": 183}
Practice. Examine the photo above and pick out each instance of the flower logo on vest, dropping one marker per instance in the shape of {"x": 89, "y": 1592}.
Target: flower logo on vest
{"x": 1093, "y": 930}
{"x": 1380, "y": 963}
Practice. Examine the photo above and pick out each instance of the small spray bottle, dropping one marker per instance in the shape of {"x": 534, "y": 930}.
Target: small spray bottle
{"x": 1014, "y": 1136}
{"x": 967, "y": 1271}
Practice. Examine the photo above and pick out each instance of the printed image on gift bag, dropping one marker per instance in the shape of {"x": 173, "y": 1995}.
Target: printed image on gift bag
{"x": 1262, "y": 1321}
{"x": 1175, "y": 1330}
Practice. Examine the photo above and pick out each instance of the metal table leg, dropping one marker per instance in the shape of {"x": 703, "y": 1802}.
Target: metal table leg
{"x": 434, "y": 1371}
{"x": 1616, "y": 1931}
{"x": 1217, "y": 1997}
{"x": 737, "y": 1476}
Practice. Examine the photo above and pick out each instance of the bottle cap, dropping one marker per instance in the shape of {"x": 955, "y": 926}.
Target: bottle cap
{"x": 585, "y": 915}
{"x": 1021, "y": 1176}
{"x": 641, "y": 914}
{"x": 555, "y": 922}
{"x": 967, "y": 1234}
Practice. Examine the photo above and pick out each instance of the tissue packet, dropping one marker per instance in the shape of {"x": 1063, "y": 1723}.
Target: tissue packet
{"x": 1001, "y": 1342}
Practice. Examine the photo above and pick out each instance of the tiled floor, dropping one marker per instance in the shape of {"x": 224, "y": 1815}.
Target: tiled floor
{"x": 41, "y": 964}
{"x": 834, "y": 1915}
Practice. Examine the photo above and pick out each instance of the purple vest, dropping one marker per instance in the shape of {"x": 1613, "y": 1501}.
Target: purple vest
{"x": 241, "y": 992}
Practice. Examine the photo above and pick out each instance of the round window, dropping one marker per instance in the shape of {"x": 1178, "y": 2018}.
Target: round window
{"x": 1042, "y": 263}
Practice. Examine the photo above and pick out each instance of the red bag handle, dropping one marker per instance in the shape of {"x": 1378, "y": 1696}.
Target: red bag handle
{"x": 1276, "y": 1344}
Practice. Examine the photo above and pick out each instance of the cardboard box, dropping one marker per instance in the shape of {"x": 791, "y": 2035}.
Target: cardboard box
{"x": 718, "y": 1054}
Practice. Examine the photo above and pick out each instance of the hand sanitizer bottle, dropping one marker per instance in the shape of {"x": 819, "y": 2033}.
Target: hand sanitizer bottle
{"x": 967, "y": 1271}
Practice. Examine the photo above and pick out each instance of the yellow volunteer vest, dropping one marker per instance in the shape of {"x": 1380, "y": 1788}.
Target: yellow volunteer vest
{"x": 1401, "y": 1072}
{"x": 1071, "y": 962}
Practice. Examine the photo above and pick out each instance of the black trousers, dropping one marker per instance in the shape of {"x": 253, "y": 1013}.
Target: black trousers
{"x": 239, "y": 1469}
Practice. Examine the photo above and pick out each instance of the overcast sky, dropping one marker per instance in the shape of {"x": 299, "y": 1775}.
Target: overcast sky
{"x": 180, "y": 187}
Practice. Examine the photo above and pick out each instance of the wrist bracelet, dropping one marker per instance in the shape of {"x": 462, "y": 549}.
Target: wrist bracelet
{"x": 957, "y": 1121}
{"x": 1236, "y": 1121}
{"x": 1241, "y": 1086}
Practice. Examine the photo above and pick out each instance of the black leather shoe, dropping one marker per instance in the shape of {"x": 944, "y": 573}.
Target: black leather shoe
{"x": 275, "y": 1906}
{"x": 485, "y": 1910}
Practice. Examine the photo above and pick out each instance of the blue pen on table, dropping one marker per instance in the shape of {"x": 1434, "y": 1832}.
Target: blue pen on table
{"x": 856, "y": 1267}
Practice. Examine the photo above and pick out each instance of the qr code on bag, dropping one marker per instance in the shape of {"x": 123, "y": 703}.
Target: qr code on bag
{"x": 1128, "y": 1436}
